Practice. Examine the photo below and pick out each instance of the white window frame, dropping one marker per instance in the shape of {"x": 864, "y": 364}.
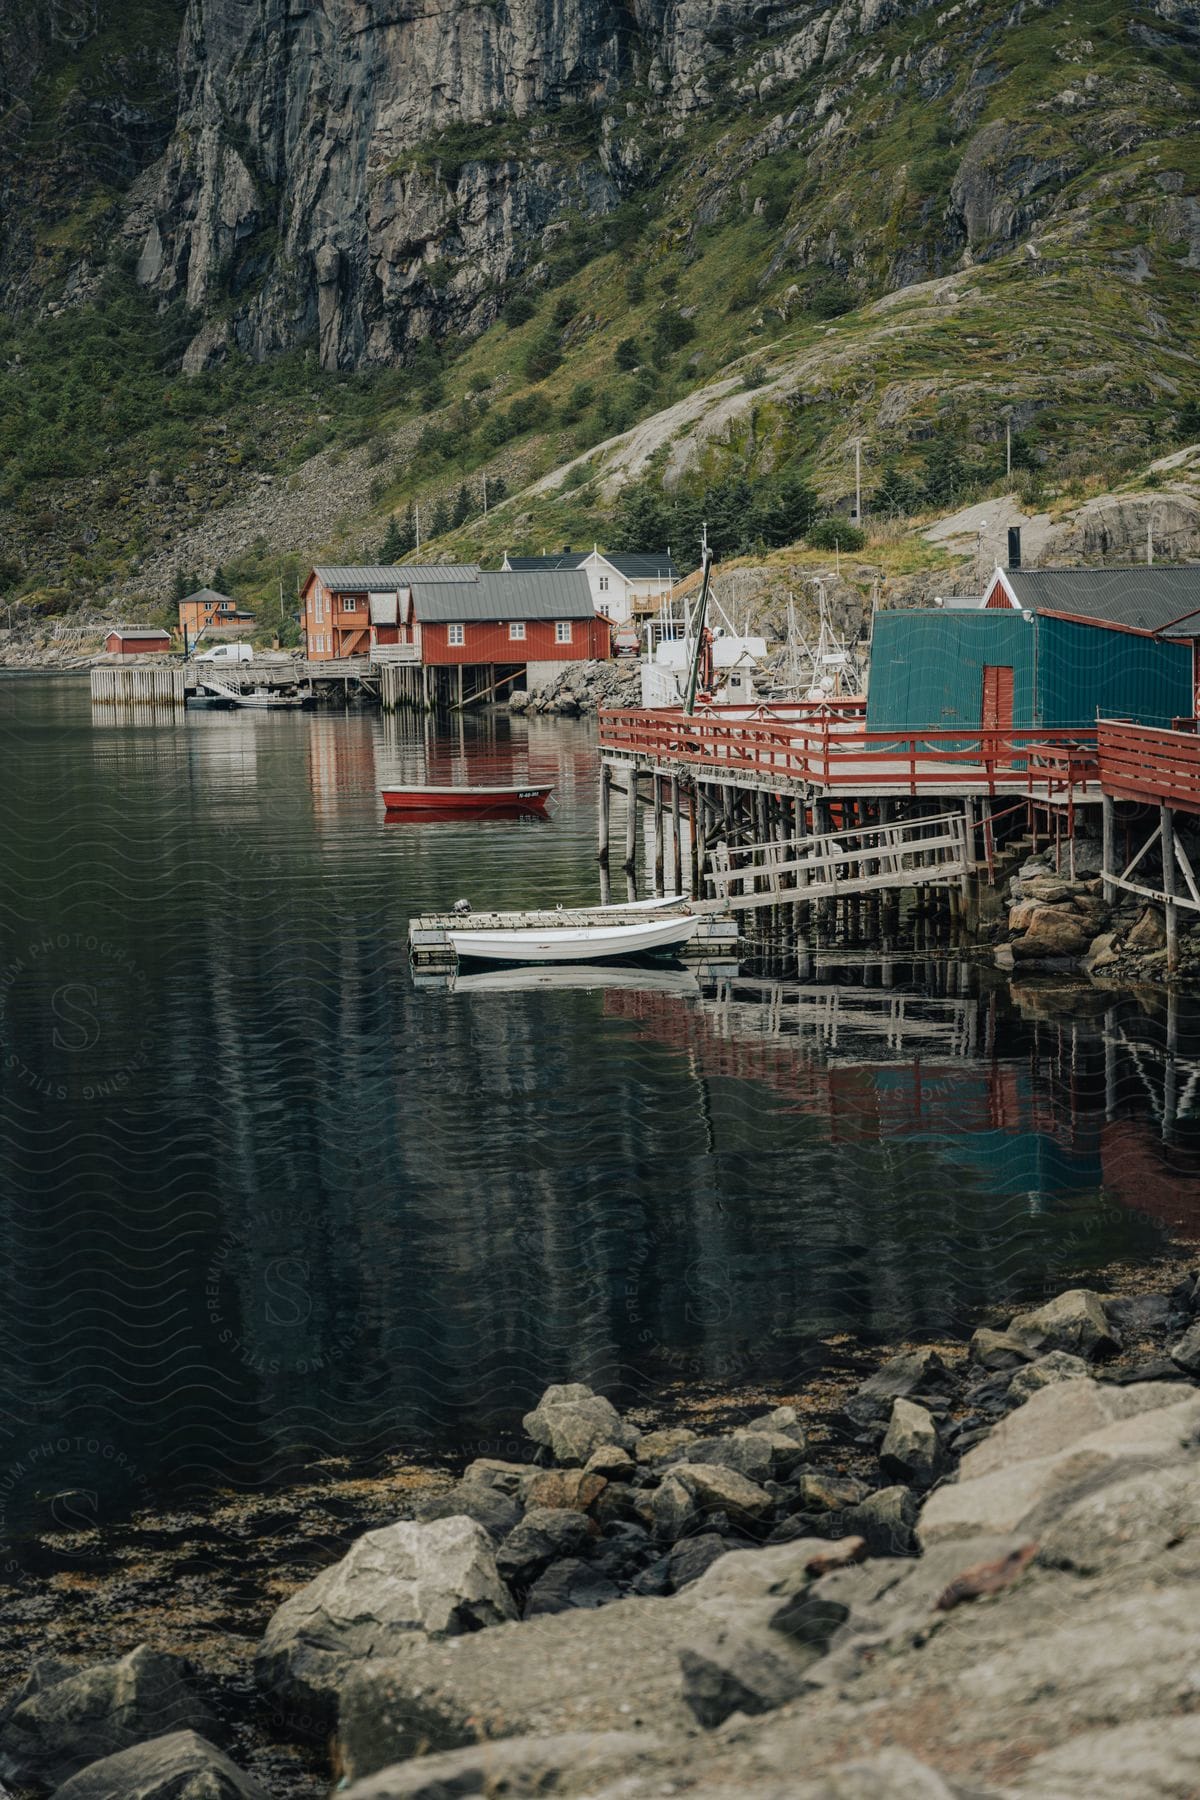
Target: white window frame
{"x": 349, "y": 605}
{"x": 604, "y": 584}
{"x": 318, "y": 606}
{"x": 456, "y": 634}
{"x": 516, "y": 631}
{"x": 562, "y": 631}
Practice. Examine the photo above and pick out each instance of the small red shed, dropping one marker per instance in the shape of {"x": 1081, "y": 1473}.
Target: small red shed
{"x": 137, "y": 640}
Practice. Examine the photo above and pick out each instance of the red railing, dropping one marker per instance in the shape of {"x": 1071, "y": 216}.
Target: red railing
{"x": 1150, "y": 764}
{"x": 833, "y": 750}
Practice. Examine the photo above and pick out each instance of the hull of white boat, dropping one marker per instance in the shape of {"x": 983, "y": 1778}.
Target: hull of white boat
{"x": 575, "y": 943}
{"x": 560, "y": 977}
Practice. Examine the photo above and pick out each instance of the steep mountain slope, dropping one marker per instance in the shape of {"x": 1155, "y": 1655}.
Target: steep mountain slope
{"x": 487, "y": 240}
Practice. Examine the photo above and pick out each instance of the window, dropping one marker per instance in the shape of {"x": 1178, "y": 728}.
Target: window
{"x": 604, "y": 584}
{"x": 456, "y": 634}
{"x": 562, "y": 631}
{"x": 517, "y": 631}
{"x": 349, "y": 605}
{"x": 319, "y": 606}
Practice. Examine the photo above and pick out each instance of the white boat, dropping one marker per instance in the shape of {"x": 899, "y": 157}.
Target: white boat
{"x": 660, "y": 903}
{"x": 575, "y": 943}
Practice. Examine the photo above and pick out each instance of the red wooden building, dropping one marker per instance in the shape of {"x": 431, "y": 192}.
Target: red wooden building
{"x": 349, "y": 609}
{"x": 508, "y": 618}
{"x": 137, "y": 640}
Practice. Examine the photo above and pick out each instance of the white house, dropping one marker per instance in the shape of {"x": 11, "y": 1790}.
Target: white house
{"x": 624, "y": 587}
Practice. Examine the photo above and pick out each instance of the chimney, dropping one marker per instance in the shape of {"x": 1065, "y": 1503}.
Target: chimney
{"x": 1014, "y": 546}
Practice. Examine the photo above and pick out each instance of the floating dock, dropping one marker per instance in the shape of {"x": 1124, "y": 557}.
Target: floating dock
{"x": 431, "y": 949}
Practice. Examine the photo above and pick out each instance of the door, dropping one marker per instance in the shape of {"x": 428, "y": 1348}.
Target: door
{"x": 997, "y": 708}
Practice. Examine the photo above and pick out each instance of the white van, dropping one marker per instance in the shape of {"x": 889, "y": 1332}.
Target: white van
{"x": 227, "y": 653}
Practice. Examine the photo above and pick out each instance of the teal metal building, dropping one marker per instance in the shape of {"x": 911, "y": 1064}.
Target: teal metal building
{"x": 1053, "y": 648}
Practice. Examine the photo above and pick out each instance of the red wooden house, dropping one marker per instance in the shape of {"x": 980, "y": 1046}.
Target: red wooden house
{"x": 506, "y": 618}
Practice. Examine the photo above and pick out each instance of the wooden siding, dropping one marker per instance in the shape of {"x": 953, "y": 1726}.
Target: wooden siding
{"x": 491, "y": 644}
{"x": 1156, "y": 767}
{"x": 118, "y": 645}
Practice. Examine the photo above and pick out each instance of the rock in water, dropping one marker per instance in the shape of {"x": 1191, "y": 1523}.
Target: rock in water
{"x": 571, "y": 1422}
{"x": 180, "y": 1766}
{"x": 438, "y": 1579}
{"x": 57, "y": 1730}
{"x": 1074, "y": 1321}
{"x": 912, "y": 1449}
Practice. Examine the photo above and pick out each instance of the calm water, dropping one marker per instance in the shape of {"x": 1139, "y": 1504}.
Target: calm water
{"x": 267, "y": 1201}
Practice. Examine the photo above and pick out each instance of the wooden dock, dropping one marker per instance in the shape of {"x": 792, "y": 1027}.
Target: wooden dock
{"x": 430, "y": 946}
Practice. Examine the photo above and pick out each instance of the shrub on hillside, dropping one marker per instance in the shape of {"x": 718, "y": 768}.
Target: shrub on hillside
{"x": 517, "y": 311}
{"x": 834, "y": 534}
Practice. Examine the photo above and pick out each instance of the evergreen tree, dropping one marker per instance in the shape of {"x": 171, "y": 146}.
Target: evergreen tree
{"x": 220, "y": 580}
{"x": 1188, "y": 428}
{"x": 439, "y": 524}
{"x": 497, "y": 488}
{"x": 179, "y": 587}
{"x": 627, "y": 355}
{"x": 945, "y": 473}
{"x": 783, "y": 509}
{"x": 897, "y": 494}
{"x": 462, "y": 508}
{"x": 393, "y": 546}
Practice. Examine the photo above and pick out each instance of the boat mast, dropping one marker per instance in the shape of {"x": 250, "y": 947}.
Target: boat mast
{"x": 698, "y": 624}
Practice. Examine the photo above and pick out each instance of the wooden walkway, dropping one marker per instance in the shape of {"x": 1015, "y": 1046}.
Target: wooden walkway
{"x": 928, "y": 852}
{"x": 818, "y": 749}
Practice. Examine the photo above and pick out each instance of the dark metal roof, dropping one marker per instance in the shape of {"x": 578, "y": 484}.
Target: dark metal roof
{"x": 1138, "y": 599}
{"x": 500, "y": 595}
{"x": 643, "y": 565}
{"x": 361, "y": 578}
{"x": 532, "y": 565}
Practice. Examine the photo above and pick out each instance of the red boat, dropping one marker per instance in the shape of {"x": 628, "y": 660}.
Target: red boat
{"x": 467, "y": 802}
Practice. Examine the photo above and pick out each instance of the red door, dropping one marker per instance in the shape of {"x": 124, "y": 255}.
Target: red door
{"x": 997, "y": 708}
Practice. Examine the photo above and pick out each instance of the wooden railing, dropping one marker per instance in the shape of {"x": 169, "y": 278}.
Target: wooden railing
{"x": 833, "y": 750}
{"x": 1150, "y": 764}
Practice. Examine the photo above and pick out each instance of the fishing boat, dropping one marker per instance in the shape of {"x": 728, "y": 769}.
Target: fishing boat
{"x": 572, "y": 943}
{"x": 467, "y": 802}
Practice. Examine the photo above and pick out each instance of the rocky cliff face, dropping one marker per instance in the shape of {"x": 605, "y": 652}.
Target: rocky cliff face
{"x": 290, "y": 184}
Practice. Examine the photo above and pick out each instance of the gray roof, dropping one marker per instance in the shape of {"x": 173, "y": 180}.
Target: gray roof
{"x": 645, "y": 565}
{"x": 1139, "y": 598}
{"x": 140, "y": 630}
{"x": 208, "y": 595}
{"x": 362, "y": 577}
{"x": 500, "y": 595}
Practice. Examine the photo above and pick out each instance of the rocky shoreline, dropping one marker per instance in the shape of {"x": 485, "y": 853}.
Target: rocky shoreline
{"x": 1059, "y": 921}
{"x": 967, "y": 1573}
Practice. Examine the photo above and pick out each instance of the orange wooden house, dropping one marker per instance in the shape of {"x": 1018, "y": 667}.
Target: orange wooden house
{"x": 213, "y": 614}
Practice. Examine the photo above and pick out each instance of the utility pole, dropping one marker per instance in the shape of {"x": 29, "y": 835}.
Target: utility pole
{"x": 417, "y": 511}
{"x": 1150, "y": 537}
{"x": 1008, "y": 447}
{"x": 485, "y": 493}
{"x": 858, "y": 481}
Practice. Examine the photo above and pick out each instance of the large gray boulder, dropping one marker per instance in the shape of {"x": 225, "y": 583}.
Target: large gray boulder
{"x": 1075, "y": 1321}
{"x": 1047, "y": 1371}
{"x": 567, "y": 1762}
{"x": 571, "y": 1422}
{"x": 1014, "y": 1495}
{"x": 1186, "y": 1351}
{"x": 55, "y": 1730}
{"x": 179, "y": 1766}
{"x": 429, "y": 1580}
{"x": 615, "y": 1669}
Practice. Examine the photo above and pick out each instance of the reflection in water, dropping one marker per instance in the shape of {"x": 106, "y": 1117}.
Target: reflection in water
{"x": 266, "y": 1200}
